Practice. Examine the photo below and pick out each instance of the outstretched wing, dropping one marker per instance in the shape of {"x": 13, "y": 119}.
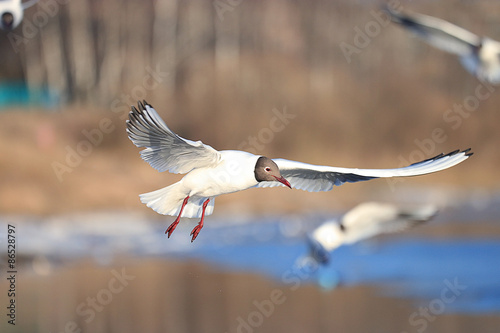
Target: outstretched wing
{"x": 439, "y": 33}
{"x": 165, "y": 150}
{"x": 314, "y": 178}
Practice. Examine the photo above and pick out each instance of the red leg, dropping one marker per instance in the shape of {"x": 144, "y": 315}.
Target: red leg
{"x": 172, "y": 227}
{"x": 197, "y": 229}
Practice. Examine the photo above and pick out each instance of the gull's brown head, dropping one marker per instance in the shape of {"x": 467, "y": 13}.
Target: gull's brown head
{"x": 267, "y": 170}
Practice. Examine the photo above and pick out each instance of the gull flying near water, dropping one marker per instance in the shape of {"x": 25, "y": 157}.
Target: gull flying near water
{"x": 364, "y": 221}
{"x": 479, "y": 55}
{"x": 210, "y": 173}
{"x": 12, "y": 11}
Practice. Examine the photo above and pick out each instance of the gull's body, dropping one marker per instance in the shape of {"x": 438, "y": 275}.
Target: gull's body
{"x": 479, "y": 55}
{"x": 12, "y": 12}
{"x": 364, "y": 221}
{"x": 210, "y": 173}
{"x": 194, "y": 184}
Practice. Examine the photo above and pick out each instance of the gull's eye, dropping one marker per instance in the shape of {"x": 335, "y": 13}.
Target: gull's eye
{"x": 268, "y": 169}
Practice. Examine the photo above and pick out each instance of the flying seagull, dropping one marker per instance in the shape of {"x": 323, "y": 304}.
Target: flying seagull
{"x": 12, "y": 11}
{"x": 479, "y": 55}
{"x": 210, "y": 173}
{"x": 364, "y": 221}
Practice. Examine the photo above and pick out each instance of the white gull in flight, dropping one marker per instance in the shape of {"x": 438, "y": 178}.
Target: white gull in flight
{"x": 479, "y": 55}
{"x": 364, "y": 221}
{"x": 210, "y": 173}
{"x": 12, "y": 12}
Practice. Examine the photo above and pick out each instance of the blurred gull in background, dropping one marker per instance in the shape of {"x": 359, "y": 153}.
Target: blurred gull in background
{"x": 479, "y": 55}
{"x": 364, "y": 221}
{"x": 12, "y": 11}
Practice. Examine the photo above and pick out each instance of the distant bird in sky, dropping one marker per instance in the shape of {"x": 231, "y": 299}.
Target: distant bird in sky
{"x": 479, "y": 55}
{"x": 211, "y": 173}
{"x": 362, "y": 222}
{"x": 12, "y": 11}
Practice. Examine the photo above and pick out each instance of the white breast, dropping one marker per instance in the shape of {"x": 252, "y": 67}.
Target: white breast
{"x": 234, "y": 173}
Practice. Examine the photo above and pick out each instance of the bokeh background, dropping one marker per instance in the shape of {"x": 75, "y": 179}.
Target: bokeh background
{"x": 356, "y": 91}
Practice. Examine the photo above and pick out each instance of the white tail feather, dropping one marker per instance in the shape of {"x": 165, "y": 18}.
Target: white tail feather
{"x": 168, "y": 201}
{"x": 194, "y": 207}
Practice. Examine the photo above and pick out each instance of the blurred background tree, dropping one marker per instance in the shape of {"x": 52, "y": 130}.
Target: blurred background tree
{"x": 215, "y": 70}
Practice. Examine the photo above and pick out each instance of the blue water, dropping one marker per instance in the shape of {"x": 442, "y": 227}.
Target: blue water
{"x": 414, "y": 268}
{"x": 420, "y": 269}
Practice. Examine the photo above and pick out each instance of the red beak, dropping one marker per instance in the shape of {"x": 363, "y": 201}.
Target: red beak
{"x": 283, "y": 181}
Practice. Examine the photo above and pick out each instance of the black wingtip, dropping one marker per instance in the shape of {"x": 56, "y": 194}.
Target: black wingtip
{"x": 141, "y": 106}
{"x": 134, "y": 110}
{"x": 429, "y": 159}
{"x": 466, "y": 152}
{"x": 398, "y": 16}
{"x": 436, "y": 157}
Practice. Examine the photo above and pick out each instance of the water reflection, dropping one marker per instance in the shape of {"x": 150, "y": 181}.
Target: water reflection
{"x": 276, "y": 246}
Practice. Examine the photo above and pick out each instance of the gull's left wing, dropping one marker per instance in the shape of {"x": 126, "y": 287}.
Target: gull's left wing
{"x": 165, "y": 150}
{"x": 314, "y": 178}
